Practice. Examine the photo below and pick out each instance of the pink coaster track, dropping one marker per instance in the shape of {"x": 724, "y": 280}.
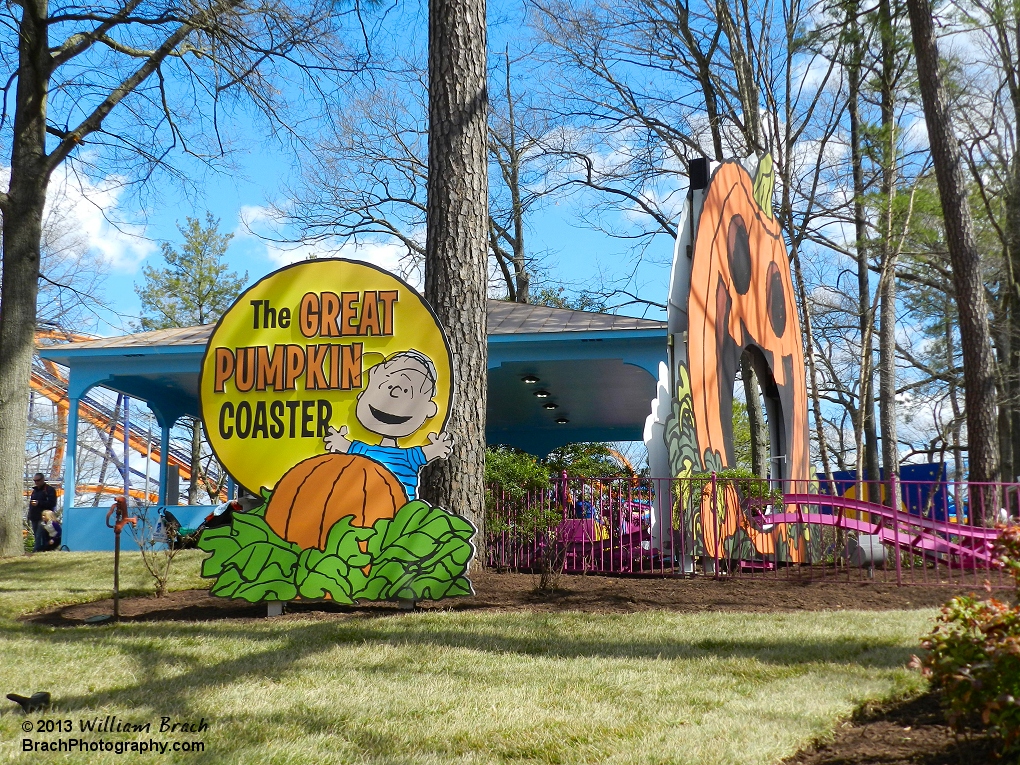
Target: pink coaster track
{"x": 909, "y": 532}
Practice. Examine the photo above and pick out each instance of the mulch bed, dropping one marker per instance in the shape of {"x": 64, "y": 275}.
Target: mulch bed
{"x": 911, "y": 732}
{"x": 517, "y": 592}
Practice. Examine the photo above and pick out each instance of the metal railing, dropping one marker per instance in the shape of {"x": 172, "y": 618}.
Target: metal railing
{"x": 937, "y": 532}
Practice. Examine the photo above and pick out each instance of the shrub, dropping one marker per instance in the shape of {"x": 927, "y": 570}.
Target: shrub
{"x": 158, "y": 547}
{"x": 974, "y": 654}
{"x": 525, "y": 502}
{"x": 528, "y": 510}
{"x": 515, "y": 472}
{"x": 510, "y": 477}
{"x": 1007, "y": 553}
{"x": 543, "y": 522}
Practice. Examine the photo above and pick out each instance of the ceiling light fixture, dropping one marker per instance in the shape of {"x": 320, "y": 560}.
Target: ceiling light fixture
{"x": 542, "y": 393}
{"x": 529, "y": 379}
{"x": 562, "y": 420}
{"x": 550, "y": 406}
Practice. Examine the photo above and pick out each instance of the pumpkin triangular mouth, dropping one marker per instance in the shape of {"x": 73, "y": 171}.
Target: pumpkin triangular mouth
{"x": 387, "y": 418}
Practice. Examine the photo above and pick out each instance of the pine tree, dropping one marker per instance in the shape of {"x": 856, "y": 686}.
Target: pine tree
{"x": 194, "y": 287}
{"x": 968, "y": 280}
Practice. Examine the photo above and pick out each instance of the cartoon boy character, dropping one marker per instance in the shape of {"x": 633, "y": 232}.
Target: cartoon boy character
{"x": 396, "y": 402}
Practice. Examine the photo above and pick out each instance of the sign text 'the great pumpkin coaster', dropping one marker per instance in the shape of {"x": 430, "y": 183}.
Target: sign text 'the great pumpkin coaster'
{"x": 327, "y": 386}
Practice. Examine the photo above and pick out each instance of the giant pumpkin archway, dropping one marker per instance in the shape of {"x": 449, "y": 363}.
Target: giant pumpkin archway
{"x": 732, "y": 293}
{"x": 741, "y": 296}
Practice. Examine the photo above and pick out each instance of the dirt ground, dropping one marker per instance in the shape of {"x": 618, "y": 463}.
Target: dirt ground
{"x": 516, "y": 592}
{"x": 912, "y": 732}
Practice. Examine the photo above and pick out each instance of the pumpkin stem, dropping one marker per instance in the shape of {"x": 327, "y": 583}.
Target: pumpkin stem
{"x": 764, "y": 185}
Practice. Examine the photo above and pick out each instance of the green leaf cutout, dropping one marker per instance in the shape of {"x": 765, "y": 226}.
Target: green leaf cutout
{"x": 423, "y": 552}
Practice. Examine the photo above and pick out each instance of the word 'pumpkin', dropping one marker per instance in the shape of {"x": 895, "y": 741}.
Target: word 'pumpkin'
{"x": 319, "y": 491}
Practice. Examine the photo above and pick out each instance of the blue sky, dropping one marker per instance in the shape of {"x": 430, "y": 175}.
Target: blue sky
{"x": 578, "y": 256}
{"x": 577, "y": 253}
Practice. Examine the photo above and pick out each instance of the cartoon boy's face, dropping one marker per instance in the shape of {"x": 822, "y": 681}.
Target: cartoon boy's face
{"x": 397, "y": 399}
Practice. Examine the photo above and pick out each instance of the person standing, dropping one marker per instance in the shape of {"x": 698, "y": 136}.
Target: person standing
{"x": 44, "y": 497}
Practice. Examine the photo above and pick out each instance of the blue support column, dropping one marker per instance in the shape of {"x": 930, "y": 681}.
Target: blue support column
{"x": 164, "y": 457}
{"x": 165, "y": 421}
{"x": 127, "y": 450}
{"x": 71, "y": 453}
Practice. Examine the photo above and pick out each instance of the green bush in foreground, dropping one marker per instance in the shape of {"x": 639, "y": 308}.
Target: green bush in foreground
{"x": 974, "y": 654}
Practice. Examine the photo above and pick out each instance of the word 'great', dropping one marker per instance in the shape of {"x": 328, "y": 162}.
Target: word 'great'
{"x": 328, "y": 314}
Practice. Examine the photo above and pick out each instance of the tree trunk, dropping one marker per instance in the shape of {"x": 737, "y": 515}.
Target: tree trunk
{"x": 887, "y": 322}
{"x": 954, "y": 400}
{"x": 521, "y": 275}
{"x": 785, "y": 172}
{"x": 1005, "y": 18}
{"x": 1012, "y": 472}
{"x": 1013, "y": 380}
{"x": 22, "y": 233}
{"x": 1002, "y": 343}
{"x": 865, "y": 434}
{"x": 756, "y": 419}
{"x": 743, "y": 73}
{"x": 1012, "y": 232}
{"x": 978, "y": 365}
{"x": 809, "y": 352}
{"x": 703, "y": 73}
{"x": 887, "y": 375}
{"x": 196, "y": 462}
{"x": 455, "y": 247}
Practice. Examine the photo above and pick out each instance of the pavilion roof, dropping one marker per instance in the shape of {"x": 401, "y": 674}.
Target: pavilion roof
{"x": 505, "y": 318}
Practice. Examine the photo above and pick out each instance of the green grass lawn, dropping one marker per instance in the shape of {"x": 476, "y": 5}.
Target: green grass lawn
{"x": 49, "y": 579}
{"x": 450, "y": 687}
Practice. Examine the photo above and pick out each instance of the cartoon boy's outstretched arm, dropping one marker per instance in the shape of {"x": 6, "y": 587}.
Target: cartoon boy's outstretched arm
{"x": 395, "y": 403}
{"x": 336, "y": 440}
{"x": 439, "y": 447}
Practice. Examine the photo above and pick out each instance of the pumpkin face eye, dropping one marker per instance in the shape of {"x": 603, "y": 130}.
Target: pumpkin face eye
{"x": 775, "y": 299}
{"x": 739, "y": 254}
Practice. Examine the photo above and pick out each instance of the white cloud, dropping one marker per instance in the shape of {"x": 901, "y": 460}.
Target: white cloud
{"x": 257, "y": 223}
{"x": 89, "y": 213}
{"x": 92, "y": 211}
{"x": 252, "y": 216}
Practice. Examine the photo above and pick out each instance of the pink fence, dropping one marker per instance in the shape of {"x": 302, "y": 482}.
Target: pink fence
{"x": 937, "y": 533}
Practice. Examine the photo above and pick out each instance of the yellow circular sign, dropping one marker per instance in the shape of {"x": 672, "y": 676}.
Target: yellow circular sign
{"x": 320, "y": 353}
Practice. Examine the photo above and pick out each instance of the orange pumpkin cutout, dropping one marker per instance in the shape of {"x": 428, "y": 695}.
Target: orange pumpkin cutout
{"x": 319, "y": 491}
{"x": 741, "y": 297}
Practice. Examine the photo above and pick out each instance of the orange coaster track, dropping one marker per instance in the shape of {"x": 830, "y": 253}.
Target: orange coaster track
{"x": 50, "y": 382}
